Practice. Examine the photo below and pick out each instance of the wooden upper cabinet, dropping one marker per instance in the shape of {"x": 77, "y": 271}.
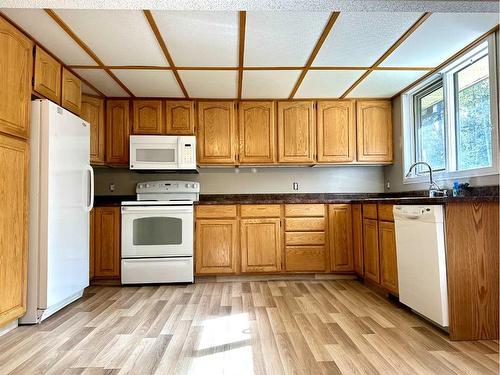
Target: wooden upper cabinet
{"x": 374, "y": 120}
{"x": 47, "y": 76}
{"x": 180, "y": 117}
{"x": 257, "y": 131}
{"x": 260, "y": 245}
{"x": 93, "y": 113}
{"x": 71, "y": 92}
{"x": 388, "y": 257}
{"x": 216, "y": 246}
{"x": 16, "y": 62}
{"x": 148, "y": 117}
{"x": 14, "y": 173}
{"x": 296, "y": 132}
{"x": 371, "y": 250}
{"x": 340, "y": 226}
{"x": 216, "y": 133}
{"x": 336, "y": 139}
{"x": 106, "y": 242}
{"x": 357, "y": 238}
{"x": 117, "y": 131}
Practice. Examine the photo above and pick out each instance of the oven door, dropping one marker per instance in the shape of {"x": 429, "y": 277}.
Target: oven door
{"x": 154, "y": 152}
{"x": 157, "y": 231}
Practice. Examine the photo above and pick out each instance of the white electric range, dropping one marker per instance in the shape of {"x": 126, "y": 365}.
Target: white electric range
{"x": 157, "y": 233}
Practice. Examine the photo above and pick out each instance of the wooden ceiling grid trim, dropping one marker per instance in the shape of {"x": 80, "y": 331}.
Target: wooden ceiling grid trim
{"x": 37, "y": 43}
{"x": 163, "y": 46}
{"x": 391, "y": 49}
{"x": 317, "y": 47}
{"x": 235, "y": 68}
{"x": 241, "y": 50}
{"x": 450, "y": 59}
{"x": 86, "y": 48}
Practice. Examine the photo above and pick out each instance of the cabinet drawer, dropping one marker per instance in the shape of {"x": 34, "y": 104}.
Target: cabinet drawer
{"x": 299, "y": 210}
{"x": 305, "y": 238}
{"x": 385, "y": 212}
{"x": 370, "y": 211}
{"x": 305, "y": 258}
{"x": 215, "y": 211}
{"x": 260, "y": 210}
{"x": 305, "y": 224}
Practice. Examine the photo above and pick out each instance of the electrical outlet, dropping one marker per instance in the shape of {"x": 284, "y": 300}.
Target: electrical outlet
{"x": 111, "y": 187}
{"x": 295, "y": 186}
{"x": 388, "y": 185}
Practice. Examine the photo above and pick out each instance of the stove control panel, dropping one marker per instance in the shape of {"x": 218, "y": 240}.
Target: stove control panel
{"x": 156, "y": 187}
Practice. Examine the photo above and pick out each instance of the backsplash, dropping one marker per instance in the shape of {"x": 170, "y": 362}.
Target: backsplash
{"x": 339, "y": 179}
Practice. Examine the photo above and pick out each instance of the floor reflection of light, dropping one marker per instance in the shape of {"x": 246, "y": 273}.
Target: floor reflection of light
{"x": 223, "y": 346}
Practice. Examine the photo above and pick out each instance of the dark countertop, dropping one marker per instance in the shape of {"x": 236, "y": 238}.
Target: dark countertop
{"x": 476, "y": 194}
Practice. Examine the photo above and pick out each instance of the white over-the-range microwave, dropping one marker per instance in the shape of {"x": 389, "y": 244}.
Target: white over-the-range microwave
{"x": 162, "y": 152}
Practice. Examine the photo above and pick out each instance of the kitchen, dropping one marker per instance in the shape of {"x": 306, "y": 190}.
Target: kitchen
{"x": 273, "y": 189}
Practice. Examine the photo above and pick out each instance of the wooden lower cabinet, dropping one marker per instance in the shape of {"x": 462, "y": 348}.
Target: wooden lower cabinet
{"x": 340, "y": 230}
{"x": 105, "y": 242}
{"x": 388, "y": 258}
{"x": 357, "y": 239}
{"x": 216, "y": 246}
{"x": 260, "y": 245}
{"x": 305, "y": 259}
{"x": 371, "y": 250}
{"x": 14, "y": 172}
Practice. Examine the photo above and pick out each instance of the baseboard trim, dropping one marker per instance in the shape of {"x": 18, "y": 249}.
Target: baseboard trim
{"x": 280, "y": 277}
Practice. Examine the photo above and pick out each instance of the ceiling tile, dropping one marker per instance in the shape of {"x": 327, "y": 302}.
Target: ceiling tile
{"x": 41, "y": 27}
{"x": 385, "y": 83}
{"x": 117, "y": 37}
{"x": 282, "y": 38}
{"x": 359, "y": 39}
{"x": 327, "y": 83}
{"x": 150, "y": 83}
{"x": 196, "y": 38}
{"x": 439, "y": 37}
{"x": 87, "y": 90}
{"x": 268, "y": 83}
{"x": 210, "y": 83}
{"x": 102, "y": 81}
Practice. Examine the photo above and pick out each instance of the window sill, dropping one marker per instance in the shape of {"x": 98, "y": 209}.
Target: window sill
{"x": 448, "y": 176}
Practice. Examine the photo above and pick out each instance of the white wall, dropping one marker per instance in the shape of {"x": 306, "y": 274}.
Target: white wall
{"x": 341, "y": 179}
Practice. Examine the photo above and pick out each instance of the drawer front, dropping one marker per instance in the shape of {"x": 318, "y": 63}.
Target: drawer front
{"x": 157, "y": 270}
{"x": 370, "y": 211}
{"x": 261, "y": 210}
{"x": 305, "y": 224}
{"x": 215, "y": 211}
{"x": 301, "y": 210}
{"x": 305, "y": 258}
{"x": 385, "y": 212}
{"x": 305, "y": 238}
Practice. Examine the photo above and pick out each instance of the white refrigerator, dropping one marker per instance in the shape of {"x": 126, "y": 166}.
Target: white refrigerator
{"x": 61, "y": 197}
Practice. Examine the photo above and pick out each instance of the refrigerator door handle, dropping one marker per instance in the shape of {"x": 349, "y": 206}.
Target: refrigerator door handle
{"x": 90, "y": 198}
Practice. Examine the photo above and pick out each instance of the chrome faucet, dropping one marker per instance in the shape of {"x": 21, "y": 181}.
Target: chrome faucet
{"x": 434, "y": 189}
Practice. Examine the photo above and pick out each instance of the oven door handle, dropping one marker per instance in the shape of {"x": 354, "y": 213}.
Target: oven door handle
{"x": 157, "y": 209}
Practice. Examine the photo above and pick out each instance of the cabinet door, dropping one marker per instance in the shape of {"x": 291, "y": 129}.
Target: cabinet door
{"x": 216, "y": 133}
{"x": 117, "y": 131}
{"x": 257, "y": 132}
{"x": 16, "y": 61}
{"x": 216, "y": 246}
{"x": 47, "y": 75}
{"x": 357, "y": 239}
{"x": 71, "y": 92}
{"x": 296, "y": 132}
{"x": 370, "y": 244}
{"x": 260, "y": 245}
{"x": 388, "y": 258}
{"x": 107, "y": 242}
{"x": 92, "y": 244}
{"x": 93, "y": 112}
{"x": 374, "y": 119}
{"x": 340, "y": 227}
{"x": 13, "y": 227}
{"x": 148, "y": 117}
{"x": 180, "y": 117}
{"x": 336, "y": 131}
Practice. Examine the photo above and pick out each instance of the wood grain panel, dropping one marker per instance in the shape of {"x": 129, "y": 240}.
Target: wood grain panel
{"x": 260, "y": 210}
{"x": 93, "y": 113}
{"x": 260, "y": 245}
{"x": 336, "y": 134}
{"x": 306, "y": 224}
{"x": 371, "y": 250}
{"x": 180, "y": 117}
{"x": 385, "y": 212}
{"x": 357, "y": 238}
{"x": 215, "y": 211}
{"x": 304, "y": 210}
{"x": 117, "y": 131}
{"x": 305, "y": 238}
{"x": 374, "y": 121}
{"x": 370, "y": 211}
{"x": 340, "y": 236}
{"x": 107, "y": 229}
{"x": 472, "y": 248}
{"x": 47, "y": 76}
{"x": 71, "y": 93}
{"x": 148, "y": 117}
{"x": 305, "y": 258}
{"x": 388, "y": 256}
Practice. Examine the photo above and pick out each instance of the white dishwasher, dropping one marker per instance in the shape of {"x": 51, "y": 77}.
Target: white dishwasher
{"x": 421, "y": 254}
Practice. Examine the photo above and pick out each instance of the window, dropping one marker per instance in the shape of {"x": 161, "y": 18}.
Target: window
{"x": 451, "y": 120}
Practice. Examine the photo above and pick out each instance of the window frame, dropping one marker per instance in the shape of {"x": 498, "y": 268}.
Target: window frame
{"x": 446, "y": 75}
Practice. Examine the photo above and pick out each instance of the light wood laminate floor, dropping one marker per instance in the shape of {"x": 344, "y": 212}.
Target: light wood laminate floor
{"x": 275, "y": 327}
